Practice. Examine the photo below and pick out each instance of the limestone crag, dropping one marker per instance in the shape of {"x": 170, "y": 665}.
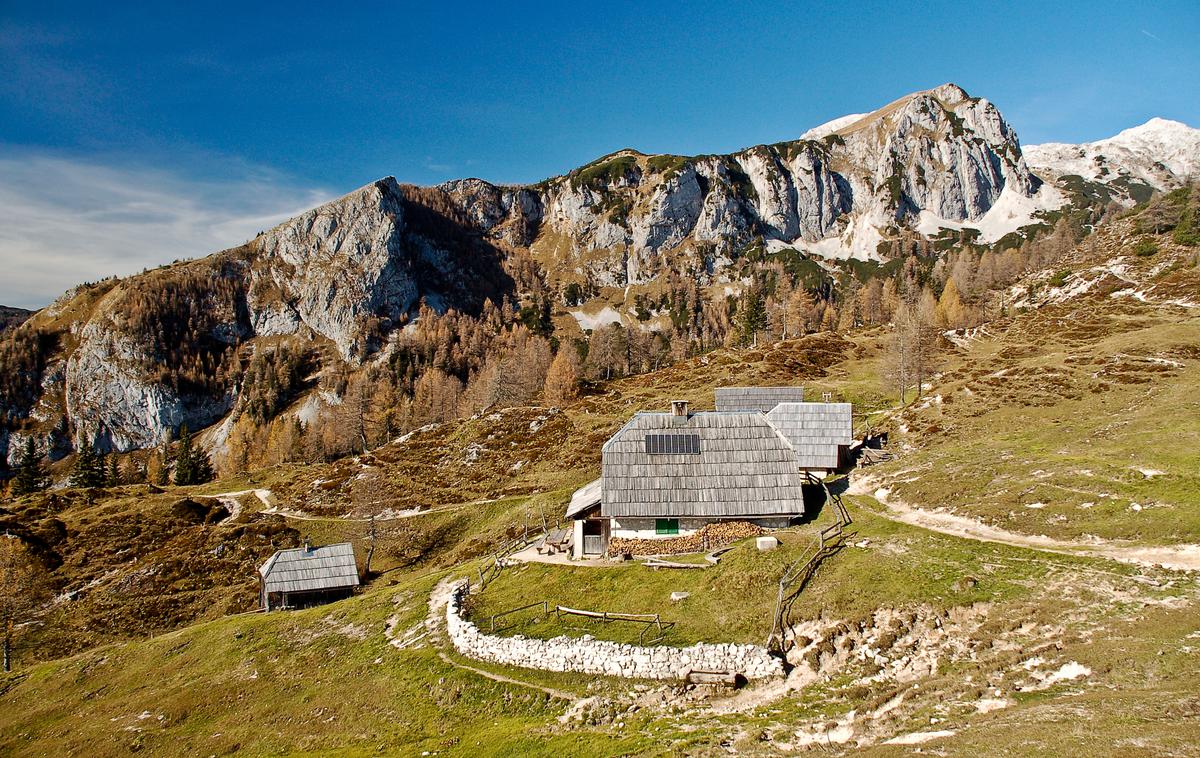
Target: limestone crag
{"x": 333, "y": 266}
{"x": 113, "y": 400}
{"x": 941, "y": 152}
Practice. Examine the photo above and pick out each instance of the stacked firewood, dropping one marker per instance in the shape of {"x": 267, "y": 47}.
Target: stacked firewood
{"x": 709, "y": 537}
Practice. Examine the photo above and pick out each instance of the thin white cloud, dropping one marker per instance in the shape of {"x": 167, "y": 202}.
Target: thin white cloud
{"x": 64, "y": 221}
{"x": 1151, "y": 36}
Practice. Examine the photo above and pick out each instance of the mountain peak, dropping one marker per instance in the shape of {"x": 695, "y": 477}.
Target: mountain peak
{"x": 1156, "y": 129}
{"x": 949, "y": 93}
{"x": 1158, "y": 155}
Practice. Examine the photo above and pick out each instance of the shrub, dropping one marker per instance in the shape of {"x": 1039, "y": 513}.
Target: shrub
{"x": 1145, "y": 247}
{"x": 1060, "y": 278}
{"x": 1186, "y": 232}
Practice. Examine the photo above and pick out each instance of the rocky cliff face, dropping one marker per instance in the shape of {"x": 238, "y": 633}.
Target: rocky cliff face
{"x": 333, "y": 267}
{"x": 138, "y": 358}
{"x": 939, "y": 155}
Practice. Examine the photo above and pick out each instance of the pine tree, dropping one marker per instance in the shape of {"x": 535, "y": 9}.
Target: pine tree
{"x": 89, "y": 467}
{"x": 192, "y": 465}
{"x": 183, "y": 458}
{"x": 31, "y": 477}
{"x": 752, "y": 316}
{"x": 114, "y": 471}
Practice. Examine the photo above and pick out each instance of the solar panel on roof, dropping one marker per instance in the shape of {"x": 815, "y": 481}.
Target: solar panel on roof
{"x": 673, "y": 444}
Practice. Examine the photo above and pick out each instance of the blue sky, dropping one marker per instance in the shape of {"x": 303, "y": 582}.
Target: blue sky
{"x": 135, "y": 135}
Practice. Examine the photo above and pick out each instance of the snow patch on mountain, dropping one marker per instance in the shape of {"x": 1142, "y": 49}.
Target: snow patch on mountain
{"x": 1011, "y": 211}
{"x": 607, "y": 315}
{"x": 1162, "y": 153}
{"x": 829, "y": 127}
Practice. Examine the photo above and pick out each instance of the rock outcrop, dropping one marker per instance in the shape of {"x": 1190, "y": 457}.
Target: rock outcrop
{"x": 335, "y": 266}
{"x": 940, "y": 153}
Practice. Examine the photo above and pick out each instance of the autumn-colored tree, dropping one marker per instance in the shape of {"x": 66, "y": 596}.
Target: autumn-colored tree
{"x": 606, "y": 350}
{"x": 889, "y": 301}
{"x": 156, "y": 468}
{"x": 801, "y": 312}
{"x": 22, "y": 588}
{"x": 562, "y": 379}
{"x": 950, "y": 312}
{"x": 870, "y": 301}
{"x": 912, "y": 352}
{"x": 436, "y": 398}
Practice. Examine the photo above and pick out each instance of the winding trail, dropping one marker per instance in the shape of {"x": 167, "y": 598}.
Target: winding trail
{"x": 1176, "y": 557}
{"x": 230, "y": 500}
{"x": 266, "y": 497}
{"x": 558, "y": 694}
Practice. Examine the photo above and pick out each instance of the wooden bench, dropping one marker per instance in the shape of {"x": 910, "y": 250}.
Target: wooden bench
{"x": 556, "y": 541}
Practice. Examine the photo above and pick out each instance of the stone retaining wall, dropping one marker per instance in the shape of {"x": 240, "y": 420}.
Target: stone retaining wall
{"x": 587, "y": 655}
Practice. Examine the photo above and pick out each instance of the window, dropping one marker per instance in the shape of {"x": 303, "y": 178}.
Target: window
{"x": 666, "y": 526}
{"x": 673, "y": 444}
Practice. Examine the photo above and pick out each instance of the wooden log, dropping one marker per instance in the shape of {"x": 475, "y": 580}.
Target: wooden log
{"x": 719, "y": 678}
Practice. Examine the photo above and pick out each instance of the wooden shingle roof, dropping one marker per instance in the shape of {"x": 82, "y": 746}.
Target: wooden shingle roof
{"x": 756, "y": 398}
{"x": 745, "y": 468}
{"x": 815, "y": 430}
{"x": 585, "y": 497}
{"x": 306, "y": 569}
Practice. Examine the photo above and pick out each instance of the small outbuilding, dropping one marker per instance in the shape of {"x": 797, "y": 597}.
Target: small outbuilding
{"x": 306, "y": 576}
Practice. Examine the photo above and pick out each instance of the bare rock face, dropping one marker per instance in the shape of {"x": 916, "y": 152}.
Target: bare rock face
{"x": 106, "y": 386}
{"x": 334, "y": 266}
{"x": 512, "y": 214}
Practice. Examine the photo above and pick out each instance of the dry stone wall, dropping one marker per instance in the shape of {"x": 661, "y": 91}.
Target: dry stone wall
{"x": 587, "y": 655}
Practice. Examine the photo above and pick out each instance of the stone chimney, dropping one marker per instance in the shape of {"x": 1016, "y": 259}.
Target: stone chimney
{"x": 679, "y": 408}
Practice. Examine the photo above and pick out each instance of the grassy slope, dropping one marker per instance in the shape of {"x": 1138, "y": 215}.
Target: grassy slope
{"x": 1063, "y": 420}
{"x": 734, "y": 601}
{"x": 317, "y": 681}
{"x": 326, "y": 680}
{"x": 135, "y": 569}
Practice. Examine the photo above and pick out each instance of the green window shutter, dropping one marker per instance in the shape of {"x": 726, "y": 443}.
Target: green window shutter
{"x": 666, "y": 526}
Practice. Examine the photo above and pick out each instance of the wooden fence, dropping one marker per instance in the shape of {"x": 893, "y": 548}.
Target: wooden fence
{"x": 651, "y": 620}
{"x": 830, "y": 541}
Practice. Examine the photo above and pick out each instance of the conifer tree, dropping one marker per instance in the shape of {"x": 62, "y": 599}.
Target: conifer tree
{"x": 31, "y": 477}
{"x": 563, "y": 377}
{"x": 89, "y": 467}
{"x": 752, "y": 315}
{"x": 192, "y": 465}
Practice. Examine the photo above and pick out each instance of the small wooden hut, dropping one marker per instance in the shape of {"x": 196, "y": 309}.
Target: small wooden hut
{"x": 307, "y": 576}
